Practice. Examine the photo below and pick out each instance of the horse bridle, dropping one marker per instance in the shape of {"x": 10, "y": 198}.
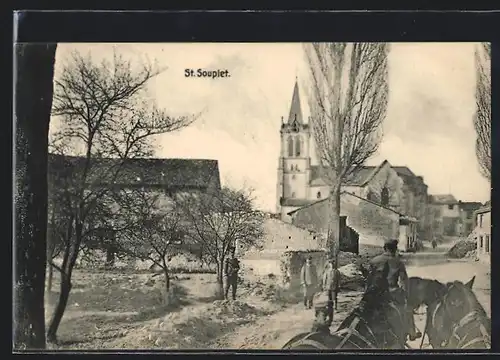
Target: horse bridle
{"x": 457, "y": 325}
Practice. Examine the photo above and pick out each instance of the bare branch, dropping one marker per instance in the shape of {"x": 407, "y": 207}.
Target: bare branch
{"x": 482, "y": 117}
{"x": 220, "y": 220}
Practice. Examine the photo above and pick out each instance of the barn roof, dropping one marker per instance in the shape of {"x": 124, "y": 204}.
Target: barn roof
{"x": 167, "y": 173}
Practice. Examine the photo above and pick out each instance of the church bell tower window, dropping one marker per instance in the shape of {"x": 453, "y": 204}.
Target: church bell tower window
{"x": 290, "y": 146}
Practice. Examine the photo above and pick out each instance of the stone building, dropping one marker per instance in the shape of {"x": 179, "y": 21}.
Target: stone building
{"x": 415, "y": 198}
{"x": 165, "y": 177}
{"x": 467, "y": 219}
{"x": 482, "y": 233}
{"x": 301, "y": 181}
{"x": 373, "y": 221}
{"x": 444, "y": 215}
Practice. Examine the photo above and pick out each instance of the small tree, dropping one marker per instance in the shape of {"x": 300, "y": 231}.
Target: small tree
{"x": 348, "y": 102}
{"x": 105, "y": 121}
{"x": 482, "y": 117}
{"x": 33, "y": 81}
{"x": 149, "y": 231}
{"x": 220, "y": 220}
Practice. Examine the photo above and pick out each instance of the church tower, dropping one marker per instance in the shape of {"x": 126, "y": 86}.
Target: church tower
{"x": 294, "y": 163}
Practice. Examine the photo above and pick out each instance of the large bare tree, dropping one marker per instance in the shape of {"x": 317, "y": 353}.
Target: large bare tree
{"x": 33, "y": 86}
{"x": 149, "y": 229}
{"x": 106, "y": 118}
{"x": 348, "y": 94}
{"x": 482, "y": 117}
{"x": 219, "y": 220}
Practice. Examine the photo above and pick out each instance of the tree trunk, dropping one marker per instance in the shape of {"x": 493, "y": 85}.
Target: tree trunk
{"x": 220, "y": 282}
{"x": 34, "y": 71}
{"x": 333, "y": 243}
{"x": 60, "y": 308}
{"x": 49, "y": 279}
{"x": 167, "y": 287}
{"x": 69, "y": 261}
{"x": 110, "y": 257}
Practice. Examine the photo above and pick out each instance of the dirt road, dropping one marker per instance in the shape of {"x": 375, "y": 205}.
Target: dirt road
{"x": 273, "y": 331}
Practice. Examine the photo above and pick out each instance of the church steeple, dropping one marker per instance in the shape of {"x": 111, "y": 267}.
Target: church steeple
{"x": 295, "y": 110}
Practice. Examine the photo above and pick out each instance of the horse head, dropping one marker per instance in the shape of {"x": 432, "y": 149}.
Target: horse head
{"x": 425, "y": 291}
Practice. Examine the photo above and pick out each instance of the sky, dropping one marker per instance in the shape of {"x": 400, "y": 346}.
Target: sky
{"x": 428, "y": 126}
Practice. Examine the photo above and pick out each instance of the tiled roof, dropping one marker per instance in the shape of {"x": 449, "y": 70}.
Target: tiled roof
{"x": 346, "y": 193}
{"x": 446, "y": 199}
{"x": 295, "y": 202}
{"x": 403, "y": 170}
{"x": 359, "y": 178}
{"x": 168, "y": 173}
{"x": 470, "y": 205}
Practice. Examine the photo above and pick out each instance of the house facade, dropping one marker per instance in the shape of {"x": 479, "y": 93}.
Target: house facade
{"x": 444, "y": 215}
{"x": 467, "y": 218}
{"x": 373, "y": 222}
{"x": 415, "y": 198}
{"x": 482, "y": 233}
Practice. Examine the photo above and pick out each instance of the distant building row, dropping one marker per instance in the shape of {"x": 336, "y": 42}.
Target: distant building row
{"x": 377, "y": 201}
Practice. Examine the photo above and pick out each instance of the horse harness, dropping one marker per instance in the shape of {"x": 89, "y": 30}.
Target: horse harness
{"x": 464, "y": 321}
{"x": 351, "y": 330}
{"x": 306, "y": 340}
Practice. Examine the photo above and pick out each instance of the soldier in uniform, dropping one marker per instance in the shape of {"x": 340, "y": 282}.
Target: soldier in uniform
{"x": 331, "y": 284}
{"x": 387, "y": 270}
{"x": 231, "y": 268}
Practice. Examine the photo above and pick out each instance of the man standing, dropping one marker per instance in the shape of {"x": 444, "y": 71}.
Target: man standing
{"x": 231, "y": 268}
{"x": 331, "y": 284}
{"x": 309, "y": 281}
{"x": 387, "y": 270}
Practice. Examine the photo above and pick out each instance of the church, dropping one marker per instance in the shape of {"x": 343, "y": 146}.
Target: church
{"x": 300, "y": 184}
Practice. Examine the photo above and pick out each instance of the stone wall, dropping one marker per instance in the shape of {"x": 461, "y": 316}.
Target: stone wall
{"x": 372, "y": 222}
{"x": 279, "y": 237}
{"x": 291, "y": 263}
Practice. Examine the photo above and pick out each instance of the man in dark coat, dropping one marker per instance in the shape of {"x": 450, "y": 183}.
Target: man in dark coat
{"x": 309, "y": 282}
{"x": 387, "y": 270}
{"x": 231, "y": 268}
{"x": 331, "y": 284}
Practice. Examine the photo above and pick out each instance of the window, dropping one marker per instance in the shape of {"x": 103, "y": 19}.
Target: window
{"x": 469, "y": 214}
{"x": 480, "y": 220}
{"x": 481, "y": 242}
{"x": 384, "y": 197}
{"x": 293, "y": 177}
{"x": 451, "y": 206}
{"x": 290, "y": 146}
{"x": 298, "y": 143}
{"x": 487, "y": 244}
{"x": 318, "y": 195}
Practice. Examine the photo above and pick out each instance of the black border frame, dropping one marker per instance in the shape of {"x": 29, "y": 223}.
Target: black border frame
{"x": 274, "y": 26}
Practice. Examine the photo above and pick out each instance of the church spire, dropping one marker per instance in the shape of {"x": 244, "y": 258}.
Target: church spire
{"x": 295, "y": 110}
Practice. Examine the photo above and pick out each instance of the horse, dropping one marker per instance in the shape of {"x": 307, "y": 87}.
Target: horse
{"x": 426, "y": 292}
{"x": 376, "y": 323}
{"x": 459, "y": 319}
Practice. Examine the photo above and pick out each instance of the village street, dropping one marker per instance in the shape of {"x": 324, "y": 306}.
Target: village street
{"x": 273, "y": 331}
